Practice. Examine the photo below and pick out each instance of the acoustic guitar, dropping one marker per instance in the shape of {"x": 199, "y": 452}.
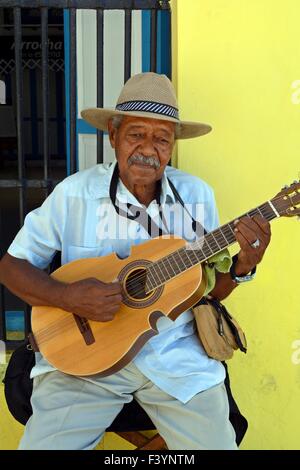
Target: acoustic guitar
{"x": 163, "y": 276}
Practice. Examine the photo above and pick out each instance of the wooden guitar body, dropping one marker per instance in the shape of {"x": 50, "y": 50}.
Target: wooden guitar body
{"x": 80, "y": 347}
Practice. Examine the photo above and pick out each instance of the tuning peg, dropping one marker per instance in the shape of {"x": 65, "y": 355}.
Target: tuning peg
{"x": 285, "y": 187}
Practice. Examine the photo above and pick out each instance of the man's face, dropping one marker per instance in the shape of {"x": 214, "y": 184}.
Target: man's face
{"x": 143, "y": 148}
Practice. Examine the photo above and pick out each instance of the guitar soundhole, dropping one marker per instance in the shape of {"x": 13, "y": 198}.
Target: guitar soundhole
{"x": 135, "y": 284}
{"x": 133, "y": 279}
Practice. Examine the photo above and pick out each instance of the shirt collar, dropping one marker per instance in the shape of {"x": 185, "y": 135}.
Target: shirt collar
{"x": 99, "y": 187}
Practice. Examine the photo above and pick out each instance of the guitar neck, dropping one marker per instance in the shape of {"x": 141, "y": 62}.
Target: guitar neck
{"x": 204, "y": 248}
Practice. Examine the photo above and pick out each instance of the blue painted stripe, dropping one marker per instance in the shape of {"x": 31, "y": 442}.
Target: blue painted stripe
{"x": 159, "y": 44}
{"x": 146, "y": 33}
{"x": 163, "y": 42}
{"x": 14, "y": 320}
{"x": 84, "y": 128}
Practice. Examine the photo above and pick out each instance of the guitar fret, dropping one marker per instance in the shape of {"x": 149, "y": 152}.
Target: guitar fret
{"x": 149, "y": 273}
{"x": 213, "y": 235}
{"x": 165, "y": 271}
{"x": 191, "y": 252}
{"x": 232, "y": 230}
{"x": 274, "y": 210}
{"x": 265, "y": 211}
{"x": 200, "y": 255}
{"x": 205, "y": 246}
{"x": 157, "y": 276}
{"x": 212, "y": 242}
{"x": 230, "y": 233}
{"x": 179, "y": 261}
{"x": 174, "y": 258}
{"x": 226, "y": 229}
{"x": 260, "y": 212}
{"x": 158, "y": 265}
{"x": 270, "y": 211}
{"x": 227, "y": 233}
{"x": 251, "y": 213}
{"x": 181, "y": 253}
{"x": 219, "y": 232}
{"x": 167, "y": 259}
{"x": 256, "y": 211}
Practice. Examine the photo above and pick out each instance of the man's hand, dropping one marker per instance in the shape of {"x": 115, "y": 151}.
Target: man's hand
{"x": 89, "y": 298}
{"x": 247, "y": 231}
{"x": 93, "y": 299}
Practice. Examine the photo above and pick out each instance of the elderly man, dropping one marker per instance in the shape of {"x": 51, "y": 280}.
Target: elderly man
{"x": 172, "y": 378}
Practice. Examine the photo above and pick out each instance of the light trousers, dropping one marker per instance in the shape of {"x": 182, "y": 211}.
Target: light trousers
{"x": 73, "y": 413}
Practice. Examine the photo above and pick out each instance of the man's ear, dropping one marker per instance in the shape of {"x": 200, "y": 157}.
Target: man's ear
{"x": 112, "y": 132}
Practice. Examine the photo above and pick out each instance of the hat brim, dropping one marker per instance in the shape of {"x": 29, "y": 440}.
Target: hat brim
{"x": 99, "y": 117}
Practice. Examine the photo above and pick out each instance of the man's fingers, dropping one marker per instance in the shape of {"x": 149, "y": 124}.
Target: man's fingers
{"x": 114, "y": 288}
{"x": 243, "y": 241}
{"x": 264, "y": 225}
{"x": 251, "y": 230}
{"x": 113, "y": 308}
{"x": 108, "y": 289}
{"x": 107, "y": 316}
{"x": 115, "y": 298}
{"x": 248, "y": 233}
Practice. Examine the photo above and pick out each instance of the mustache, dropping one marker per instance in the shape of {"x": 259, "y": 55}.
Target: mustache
{"x": 150, "y": 161}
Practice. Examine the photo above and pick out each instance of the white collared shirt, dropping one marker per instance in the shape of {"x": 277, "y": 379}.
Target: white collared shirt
{"x": 76, "y": 218}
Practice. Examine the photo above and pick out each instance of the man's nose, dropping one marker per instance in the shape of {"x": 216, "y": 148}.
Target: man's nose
{"x": 147, "y": 147}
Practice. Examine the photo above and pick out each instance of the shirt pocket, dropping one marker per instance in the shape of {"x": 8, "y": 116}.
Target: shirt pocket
{"x": 78, "y": 252}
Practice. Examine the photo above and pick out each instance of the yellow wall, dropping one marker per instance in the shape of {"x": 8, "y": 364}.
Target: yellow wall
{"x": 238, "y": 61}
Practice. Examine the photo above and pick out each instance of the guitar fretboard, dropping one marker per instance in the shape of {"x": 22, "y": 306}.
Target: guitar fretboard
{"x": 170, "y": 266}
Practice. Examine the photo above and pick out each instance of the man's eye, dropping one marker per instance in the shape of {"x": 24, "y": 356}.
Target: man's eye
{"x": 135, "y": 135}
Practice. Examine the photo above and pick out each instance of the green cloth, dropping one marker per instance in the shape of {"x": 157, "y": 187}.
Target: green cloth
{"x": 220, "y": 262}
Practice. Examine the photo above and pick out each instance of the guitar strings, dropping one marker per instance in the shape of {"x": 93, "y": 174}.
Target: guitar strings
{"x": 177, "y": 257}
{"x": 134, "y": 282}
{"x": 226, "y": 229}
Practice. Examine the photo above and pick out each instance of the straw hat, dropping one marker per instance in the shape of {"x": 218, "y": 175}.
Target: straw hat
{"x": 147, "y": 95}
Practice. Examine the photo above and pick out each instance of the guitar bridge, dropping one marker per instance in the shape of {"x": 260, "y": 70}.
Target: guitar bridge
{"x": 85, "y": 329}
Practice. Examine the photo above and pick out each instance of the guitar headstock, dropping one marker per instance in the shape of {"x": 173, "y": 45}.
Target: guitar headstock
{"x": 287, "y": 201}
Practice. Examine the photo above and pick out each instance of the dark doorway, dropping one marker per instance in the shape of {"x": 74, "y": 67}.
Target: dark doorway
{"x": 32, "y": 122}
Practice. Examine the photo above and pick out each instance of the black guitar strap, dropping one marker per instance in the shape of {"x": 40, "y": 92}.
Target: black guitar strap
{"x": 196, "y": 226}
{"x": 133, "y": 212}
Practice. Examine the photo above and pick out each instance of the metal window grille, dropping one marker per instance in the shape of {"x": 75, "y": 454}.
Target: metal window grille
{"x": 46, "y": 183}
